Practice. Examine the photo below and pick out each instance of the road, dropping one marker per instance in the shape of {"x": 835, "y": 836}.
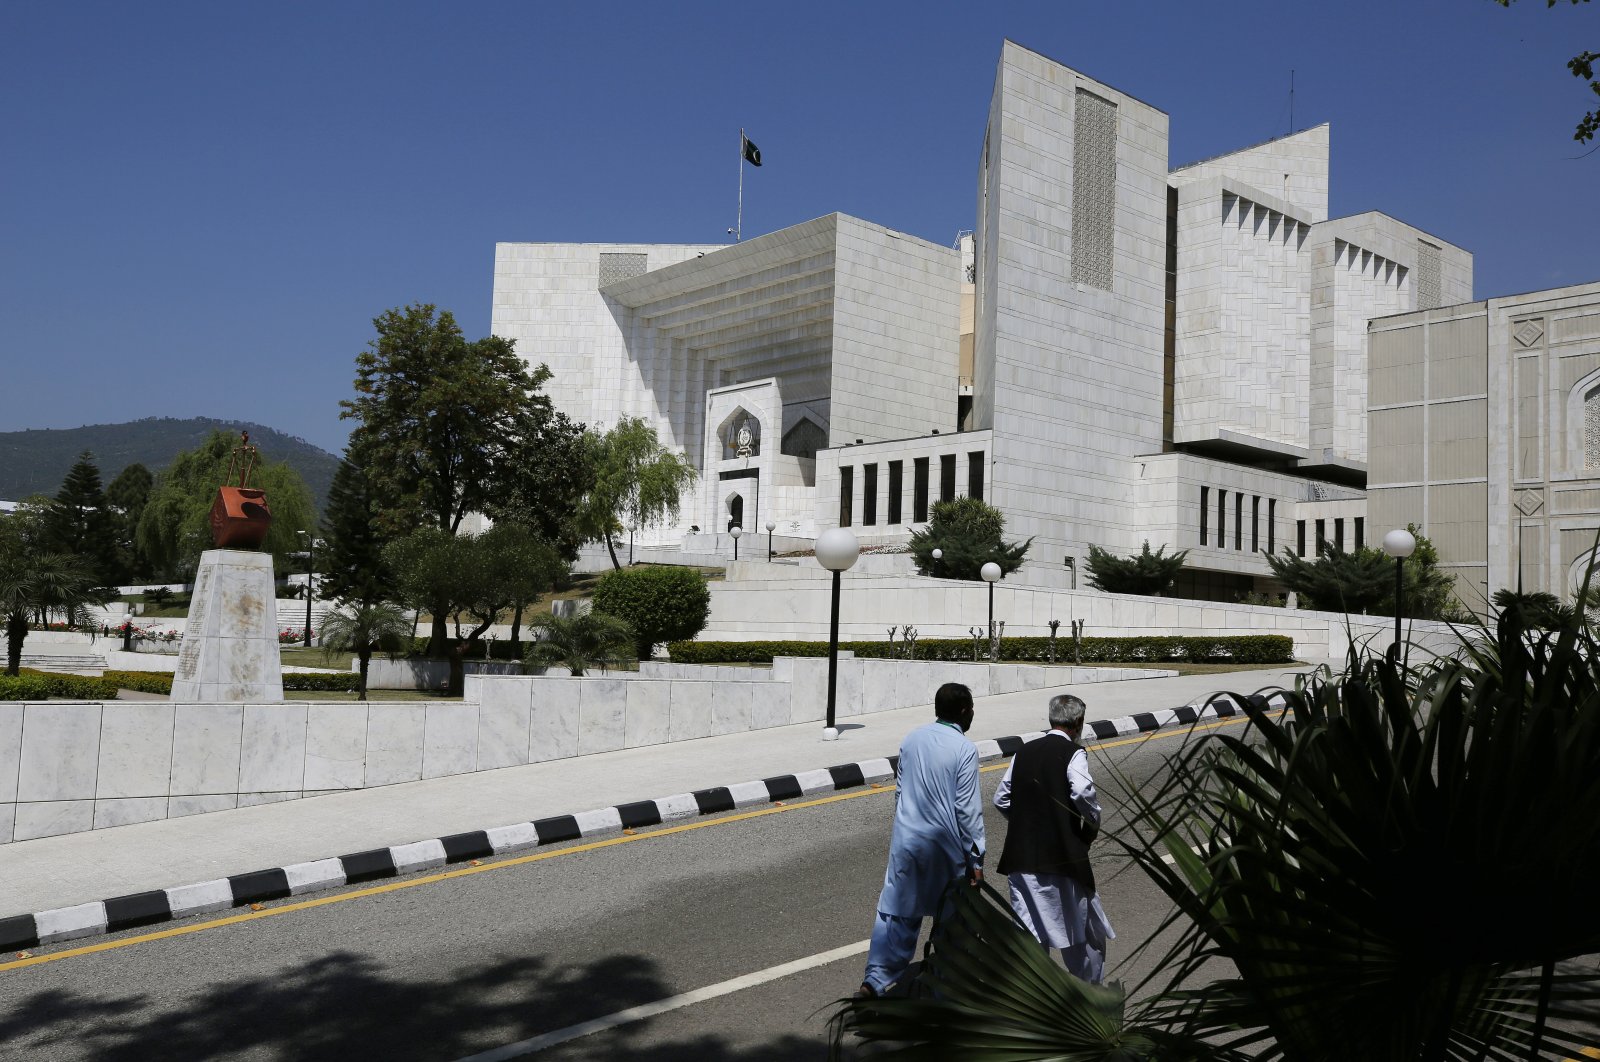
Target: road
{"x": 454, "y": 964}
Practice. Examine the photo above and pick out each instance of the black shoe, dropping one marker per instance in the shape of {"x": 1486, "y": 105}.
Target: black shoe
{"x": 866, "y": 991}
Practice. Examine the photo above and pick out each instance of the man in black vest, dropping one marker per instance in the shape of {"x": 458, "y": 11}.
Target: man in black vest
{"x": 1048, "y": 798}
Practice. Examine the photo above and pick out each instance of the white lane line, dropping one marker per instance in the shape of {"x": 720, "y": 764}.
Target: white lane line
{"x": 650, "y": 1010}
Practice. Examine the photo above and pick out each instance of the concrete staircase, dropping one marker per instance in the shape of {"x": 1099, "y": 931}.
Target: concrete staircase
{"x": 66, "y": 663}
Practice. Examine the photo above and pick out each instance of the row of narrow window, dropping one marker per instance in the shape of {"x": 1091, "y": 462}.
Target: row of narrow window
{"x": 896, "y": 492}
{"x": 1221, "y": 536}
{"x": 1321, "y": 528}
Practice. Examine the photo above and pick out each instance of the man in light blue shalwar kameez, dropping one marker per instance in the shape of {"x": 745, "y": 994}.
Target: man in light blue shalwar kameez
{"x": 937, "y": 837}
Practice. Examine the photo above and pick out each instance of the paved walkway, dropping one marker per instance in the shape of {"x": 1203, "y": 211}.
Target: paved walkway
{"x": 53, "y": 872}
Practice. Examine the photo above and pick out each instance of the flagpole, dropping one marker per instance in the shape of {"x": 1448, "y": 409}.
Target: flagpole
{"x": 738, "y": 225}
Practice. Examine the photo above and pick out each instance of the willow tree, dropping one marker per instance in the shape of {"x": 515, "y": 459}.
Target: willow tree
{"x": 638, "y": 483}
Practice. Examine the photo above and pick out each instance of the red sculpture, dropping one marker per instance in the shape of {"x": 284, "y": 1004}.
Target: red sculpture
{"x": 240, "y": 517}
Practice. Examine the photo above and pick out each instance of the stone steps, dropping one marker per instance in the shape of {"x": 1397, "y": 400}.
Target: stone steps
{"x": 65, "y": 663}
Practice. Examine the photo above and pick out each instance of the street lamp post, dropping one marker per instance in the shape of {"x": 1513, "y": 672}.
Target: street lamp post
{"x": 1399, "y": 544}
{"x": 735, "y": 531}
{"x": 991, "y": 575}
{"x": 772, "y": 525}
{"x": 837, "y": 550}
{"x": 311, "y": 567}
{"x": 938, "y": 555}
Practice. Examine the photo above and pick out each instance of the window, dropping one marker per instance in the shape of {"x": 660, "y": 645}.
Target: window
{"x": 975, "y": 475}
{"x": 869, "y": 495}
{"x": 919, "y": 491}
{"x": 1338, "y": 534}
{"x": 1361, "y": 528}
{"x": 847, "y": 477}
{"x": 1255, "y": 524}
{"x": 1238, "y": 520}
{"x": 896, "y": 474}
{"x": 1300, "y": 531}
{"x": 1222, "y": 519}
{"x": 1322, "y": 536}
{"x": 1272, "y": 525}
{"x": 947, "y": 477}
{"x": 1205, "y": 512}
{"x": 1591, "y": 429}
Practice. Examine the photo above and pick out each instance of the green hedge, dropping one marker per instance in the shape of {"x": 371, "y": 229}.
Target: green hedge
{"x": 142, "y": 681}
{"x": 322, "y": 682}
{"x": 1237, "y": 649}
{"x": 32, "y": 685}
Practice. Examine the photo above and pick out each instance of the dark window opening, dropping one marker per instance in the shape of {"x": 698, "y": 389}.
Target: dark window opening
{"x": 1300, "y": 532}
{"x": 1222, "y": 519}
{"x": 1272, "y": 525}
{"x": 1238, "y": 520}
{"x": 975, "y": 475}
{"x": 1338, "y": 534}
{"x": 1322, "y": 536}
{"x": 896, "y": 474}
{"x": 1255, "y": 524}
{"x": 869, "y": 495}
{"x": 947, "y": 477}
{"x": 847, "y": 477}
{"x": 1361, "y": 530}
{"x": 1205, "y": 512}
{"x": 919, "y": 491}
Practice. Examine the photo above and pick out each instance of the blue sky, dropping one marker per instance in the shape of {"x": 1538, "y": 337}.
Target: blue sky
{"x": 203, "y": 206}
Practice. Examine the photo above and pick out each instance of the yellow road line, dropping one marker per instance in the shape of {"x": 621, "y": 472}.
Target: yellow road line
{"x": 461, "y": 872}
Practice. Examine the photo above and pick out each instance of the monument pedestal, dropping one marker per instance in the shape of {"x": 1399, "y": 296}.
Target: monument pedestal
{"x": 230, "y": 645}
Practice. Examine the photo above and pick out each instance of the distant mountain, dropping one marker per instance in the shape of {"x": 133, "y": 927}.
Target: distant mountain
{"x": 36, "y": 461}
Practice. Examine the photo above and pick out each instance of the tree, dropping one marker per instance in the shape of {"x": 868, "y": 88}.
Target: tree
{"x": 969, "y": 534}
{"x": 364, "y": 627}
{"x": 442, "y": 424}
{"x": 34, "y": 581}
{"x": 546, "y": 477}
{"x": 1337, "y": 581}
{"x": 1143, "y": 573}
{"x": 1303, "y": 858}
{"x": 1582, "y": 67}
{"x": 637, "y": 483}
{"x": 80, "y": 522}
{"x": 351, "y": 560}
{"x": 174, "y": 529}
{"x": 580, "y": 643}
{"x": 1429, "y": 590}
{"x": 661, "y": 603}
{"x": 1535, "y": 609}
{"x": 128, "y": 494}
{"x": 474, "y": 576}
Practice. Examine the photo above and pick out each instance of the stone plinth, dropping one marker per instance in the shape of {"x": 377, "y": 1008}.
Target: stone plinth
{"x": 230, "y": 645}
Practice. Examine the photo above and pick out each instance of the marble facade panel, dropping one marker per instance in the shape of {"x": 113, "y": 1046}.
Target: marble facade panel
{"x": 60, "y": 754}
{"x": 51, "y": 818}
{"x": 732, "y": 706}
{"x": 691, "y": 712}
{"x": 450, "y": 739}
{"x": 336, "y": 746}
{"x": 649, "y": 712}
{"x": 602, "y": 709}
{"x": 504, "y": 714}
{"x": 273, "y": 748}
{"x": 126, "y": 810}
{"x": 394, "y": 743}
{"x": 553, "y": 719}
{"x": 10, "y": 752}
{"x": 135, "y": 752}
{"x": 205, "y": 748}
{"x": 183, "y": 806}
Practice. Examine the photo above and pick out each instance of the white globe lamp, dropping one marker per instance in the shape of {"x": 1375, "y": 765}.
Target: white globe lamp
{"x": 836, "y": 549}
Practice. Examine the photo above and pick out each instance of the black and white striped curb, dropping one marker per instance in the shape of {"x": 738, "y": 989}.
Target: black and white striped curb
{"x": 260, "y": 886}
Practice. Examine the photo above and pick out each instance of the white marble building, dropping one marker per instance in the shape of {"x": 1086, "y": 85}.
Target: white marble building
{"x": 1122, "y": 351}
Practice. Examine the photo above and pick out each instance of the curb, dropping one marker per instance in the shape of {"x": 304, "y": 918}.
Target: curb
{"x": 260, "y": 886}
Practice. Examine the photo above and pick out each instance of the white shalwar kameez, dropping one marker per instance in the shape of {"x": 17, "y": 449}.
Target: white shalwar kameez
{"x": 1056, "y": 909}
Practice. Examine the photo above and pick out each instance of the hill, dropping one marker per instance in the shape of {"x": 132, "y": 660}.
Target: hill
{"x": 36, "y": 461}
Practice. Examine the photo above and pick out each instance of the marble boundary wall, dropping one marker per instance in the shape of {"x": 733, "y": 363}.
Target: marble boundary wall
{"x": 71, "y": 766}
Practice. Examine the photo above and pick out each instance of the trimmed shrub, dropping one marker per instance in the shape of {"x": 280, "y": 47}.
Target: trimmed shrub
{"x": 32, "y": 685}
{"x": 1234, "y": 649}
{"x": 141, "y": 681}
{"x": 322, "y": 682}
{"x": 662, "y": 603}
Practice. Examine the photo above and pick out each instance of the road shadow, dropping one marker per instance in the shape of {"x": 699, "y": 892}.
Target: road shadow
{"x": 344, "y": 1006}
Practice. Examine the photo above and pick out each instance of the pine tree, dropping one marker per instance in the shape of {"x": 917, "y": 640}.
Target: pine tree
{"x": 80, "y": 523}
{"x": 351, "y": 560}
{"x": 1143, "y": 573}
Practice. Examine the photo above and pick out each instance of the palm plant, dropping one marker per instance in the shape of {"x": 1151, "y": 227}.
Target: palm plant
{"x": 362, "y": 628}
{"x": 1398, "y": 865}
{"x": 580, "y": 643}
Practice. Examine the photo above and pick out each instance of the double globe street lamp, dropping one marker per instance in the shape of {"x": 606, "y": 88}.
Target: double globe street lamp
{"x": 1399, "y": 544}
{"x": 837, "y": 550}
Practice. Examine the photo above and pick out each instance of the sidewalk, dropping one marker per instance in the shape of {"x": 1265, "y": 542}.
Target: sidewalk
{"x": 53, "y": 872}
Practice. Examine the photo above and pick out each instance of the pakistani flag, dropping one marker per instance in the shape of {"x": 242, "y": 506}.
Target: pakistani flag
{"x": 752, "y": 154}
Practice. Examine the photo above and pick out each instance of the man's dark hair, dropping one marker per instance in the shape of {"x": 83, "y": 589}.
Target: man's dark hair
{"x": 952, "y": 702}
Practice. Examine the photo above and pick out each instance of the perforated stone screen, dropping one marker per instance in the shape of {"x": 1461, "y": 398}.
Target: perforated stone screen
{"x": 1591, "y": 429}
{"x": 1094, "y": 190}
{"x": 615, "y": 266}
{"x": 1427, "y": 275}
